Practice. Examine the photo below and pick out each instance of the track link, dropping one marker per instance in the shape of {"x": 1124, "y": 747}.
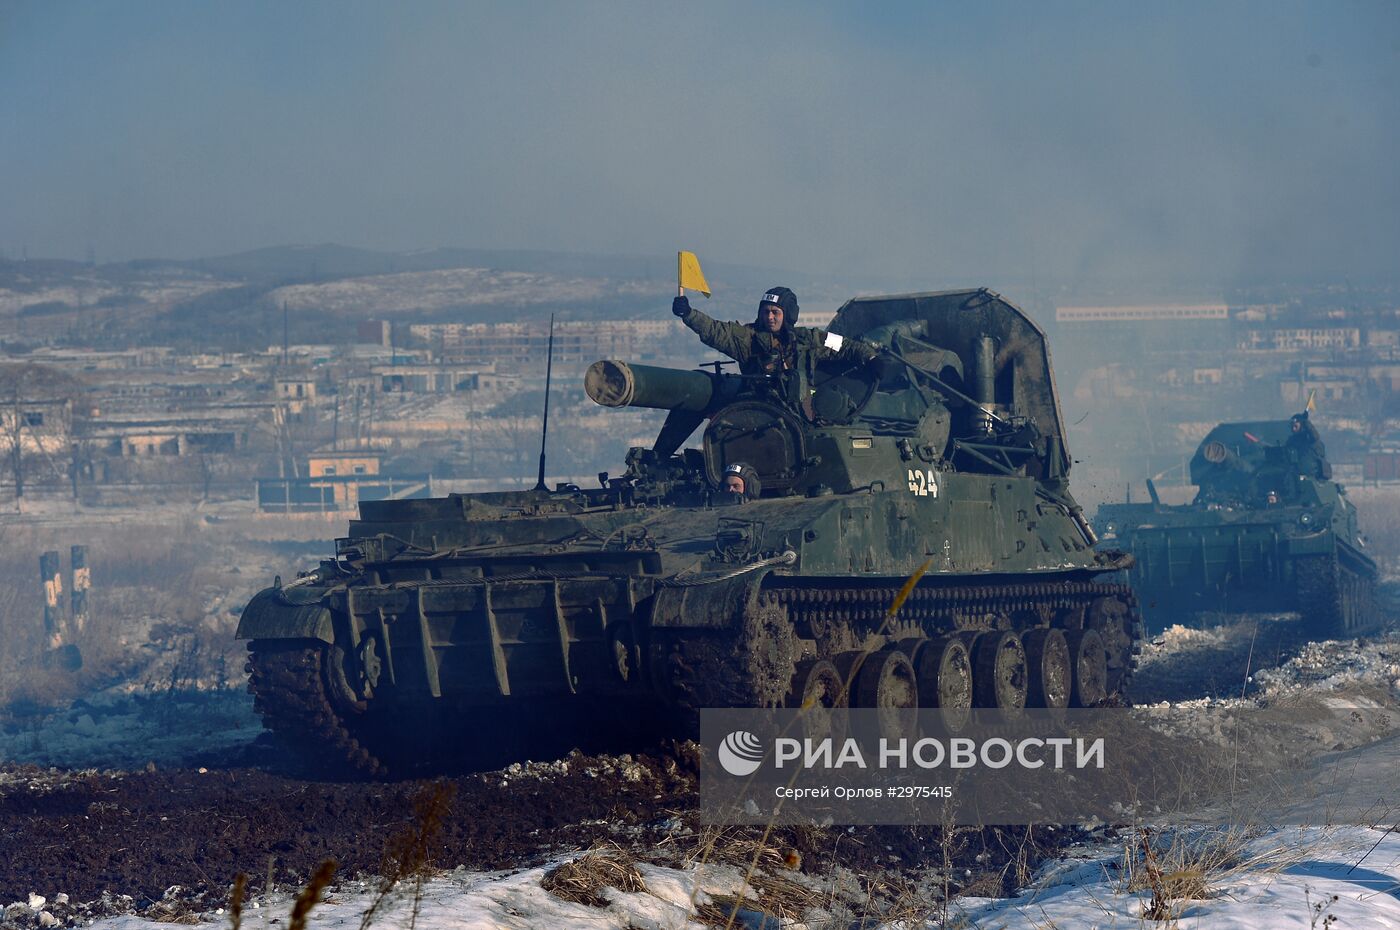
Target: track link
{"x": 290, "y": 692}
{"x": 713, "y": 669}
{"x": 1336, "y": 601}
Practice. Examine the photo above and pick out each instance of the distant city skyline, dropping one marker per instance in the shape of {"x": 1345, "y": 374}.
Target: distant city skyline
{"x": 1069, "y": 143}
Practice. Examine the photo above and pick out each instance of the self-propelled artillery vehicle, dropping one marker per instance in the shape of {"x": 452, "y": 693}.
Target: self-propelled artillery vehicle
{"x": 476, "y": 617}
{"x": 1268, "y": 531}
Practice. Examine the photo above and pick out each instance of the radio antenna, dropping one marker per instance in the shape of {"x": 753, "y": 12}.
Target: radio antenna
{"x": 544, "y": 427}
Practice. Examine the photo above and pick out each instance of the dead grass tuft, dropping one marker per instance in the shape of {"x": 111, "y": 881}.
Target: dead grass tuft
{"x": 235, "y": 901}
{"x": 1181, "y": 867}
{"x": 311, "y": 895}
{"x": 408, "y": 852}
{"x": 784, "y": 898}
{"x": 732, "y": 845}
{"x": 582, "y": 880}
{"x": 726, "y": 912}
{"x": 895, "y": 901}
{"x": 163, "y": 913}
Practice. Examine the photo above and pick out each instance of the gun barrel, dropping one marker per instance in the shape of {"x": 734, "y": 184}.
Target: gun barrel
{"x": 618, "y": 384}
{"x": 1217, "y": 453}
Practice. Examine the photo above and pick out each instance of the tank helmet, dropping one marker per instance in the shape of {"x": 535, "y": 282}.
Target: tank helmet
{"x": 786, "y": 301}
{"x": 747, "y": 474}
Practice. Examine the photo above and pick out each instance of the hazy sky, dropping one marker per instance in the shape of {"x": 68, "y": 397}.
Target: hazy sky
{"x": 1210, "y": 142}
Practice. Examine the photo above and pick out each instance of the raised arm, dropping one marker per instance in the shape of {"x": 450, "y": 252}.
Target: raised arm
{"x": 733, "y": 339}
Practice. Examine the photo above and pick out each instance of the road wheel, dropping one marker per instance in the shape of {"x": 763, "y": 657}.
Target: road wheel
{"x": 886, "y": 684}
{"x": 886, "y": 680}
{"x": 945, "y": 674}
{"x": 999, "y": 670}
{"x": 1050, "y": 677}
{"x": 816, "y": 692}
{"x": 1089, "y": 664}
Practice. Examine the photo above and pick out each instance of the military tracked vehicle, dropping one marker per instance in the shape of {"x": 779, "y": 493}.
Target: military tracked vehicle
{"x": 1268, "y": 530}
{"x": 474, "y": 619}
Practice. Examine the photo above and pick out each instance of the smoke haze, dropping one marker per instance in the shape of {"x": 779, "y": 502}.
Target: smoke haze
{"x": 1181, "y": 144}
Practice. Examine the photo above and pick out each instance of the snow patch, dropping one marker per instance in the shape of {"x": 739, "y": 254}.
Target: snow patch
{"x": 1290, "y": 878}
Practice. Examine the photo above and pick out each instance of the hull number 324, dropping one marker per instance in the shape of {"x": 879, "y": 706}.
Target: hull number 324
{"x": 922, "y": 484}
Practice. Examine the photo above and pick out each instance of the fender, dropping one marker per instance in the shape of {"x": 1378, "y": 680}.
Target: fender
{"x": 712, "y": 606}
{"x": 269, "y": 615}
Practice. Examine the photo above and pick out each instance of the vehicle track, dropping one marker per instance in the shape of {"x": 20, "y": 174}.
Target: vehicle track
{"x": 295, "y": 685}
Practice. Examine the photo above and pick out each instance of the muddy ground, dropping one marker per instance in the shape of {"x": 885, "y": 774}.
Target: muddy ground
{"x": 168, "y": 839}
{"x": 96, "y": 836}
{"x": 152, "y": 788}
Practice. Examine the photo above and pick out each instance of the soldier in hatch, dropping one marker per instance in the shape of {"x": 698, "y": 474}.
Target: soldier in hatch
{"x": 1305, "y": 449}
{"x": 773, "y": 344}
{"x": 741, "y": 479}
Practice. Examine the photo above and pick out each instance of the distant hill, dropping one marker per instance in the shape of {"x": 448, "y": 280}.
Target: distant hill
{"x": 235, "y": 301}
{"x": 319, "y": 262}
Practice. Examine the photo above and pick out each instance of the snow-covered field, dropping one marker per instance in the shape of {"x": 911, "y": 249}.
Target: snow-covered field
{"x": 1220, "y": 879}
{"x": 461, "y": 900}
{"x": 1305, "y": 878}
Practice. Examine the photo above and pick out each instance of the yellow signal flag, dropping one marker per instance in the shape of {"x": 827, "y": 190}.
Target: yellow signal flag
{"x": 1312, "y": 401}
{"x": 688, "y": 274}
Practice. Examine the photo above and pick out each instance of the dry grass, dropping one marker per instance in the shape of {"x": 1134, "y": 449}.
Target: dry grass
{"x": 785, "y": 898}
{"x": 311, "y": 895}
{"x": 582, "y": 880}
{"x": 1320, "y": 911}
{"x": 151, "y": 574}
{"x": 235, "y": 901}
{"x": 1180, "y": 867}
{"x": 767, "y": 869}
{"x": 163, "y": 913}
{"x": 735, "y": 846}
{"x": 772, "y": 871}
{"x": 408, "y": 852}
{"x": 725, "y": 912}
{"x": 902, "y": 904}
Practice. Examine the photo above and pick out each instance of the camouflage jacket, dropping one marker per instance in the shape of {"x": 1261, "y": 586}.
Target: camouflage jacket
{"x": 760, "y": 352}
{"x": 1308, "y": 454}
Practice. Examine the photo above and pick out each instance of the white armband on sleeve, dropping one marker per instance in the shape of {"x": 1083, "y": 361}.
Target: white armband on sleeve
{"x": 834, "y": 342}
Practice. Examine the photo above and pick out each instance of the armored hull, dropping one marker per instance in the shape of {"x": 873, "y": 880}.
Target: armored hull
{"x": 1262, "y": 535}
{"x": 913, "y": 545}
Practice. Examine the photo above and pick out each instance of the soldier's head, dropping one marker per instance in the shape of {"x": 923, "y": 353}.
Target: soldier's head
{"x": 1271, "y": 498}
{"x": 777, "y": 309}
{"x": 741, "y": 479}
{"x": 1298, "y": 422}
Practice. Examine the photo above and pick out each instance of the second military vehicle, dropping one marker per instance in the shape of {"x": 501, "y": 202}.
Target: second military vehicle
{"x": 479, "y": 619}
{"x": 1268, "y": 531}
